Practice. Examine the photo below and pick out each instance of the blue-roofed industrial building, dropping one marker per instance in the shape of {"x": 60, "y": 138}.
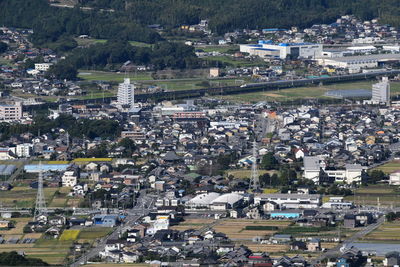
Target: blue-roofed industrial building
{"x": 285, "y": 215}
{"x": 283, "y": 50}
{"x": 35, "y": 168}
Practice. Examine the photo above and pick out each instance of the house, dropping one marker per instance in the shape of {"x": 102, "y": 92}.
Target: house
{"x": 298, "y": 245}
{"x": 314, "y": 245}
{"x": 281, "y": 239}
{"x": 392, "y": 259}
{"x": 394, "y": 178}
{"x": 5, "y": 224}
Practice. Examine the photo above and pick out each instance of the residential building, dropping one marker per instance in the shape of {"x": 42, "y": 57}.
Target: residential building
{"x": 381, "y": 92}
{"x": 10, "y": 112}
{"x": 43, "y": 66}
{"x": 126, "y": 93}
{"x": 69, "y": 178}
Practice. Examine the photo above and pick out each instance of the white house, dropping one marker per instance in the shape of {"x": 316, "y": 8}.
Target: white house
{"x": 69, "y": 178}
{"x": 394, "y": 178}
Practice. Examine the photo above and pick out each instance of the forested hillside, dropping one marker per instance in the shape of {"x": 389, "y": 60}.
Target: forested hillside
{"x": 131, "y": 17}
{"x": 226, "y": 15}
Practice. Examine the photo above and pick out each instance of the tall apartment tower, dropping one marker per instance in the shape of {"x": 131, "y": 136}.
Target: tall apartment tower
{"x": 126, "y": 93}
{"x": 381, "y": 92}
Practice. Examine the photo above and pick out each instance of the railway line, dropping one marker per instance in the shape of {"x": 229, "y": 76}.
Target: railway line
{"x": 246, "y": 88}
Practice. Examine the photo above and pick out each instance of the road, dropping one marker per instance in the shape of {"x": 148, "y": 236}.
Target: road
{"x": 143, "y": 207}
{"x": 360, "y": 234}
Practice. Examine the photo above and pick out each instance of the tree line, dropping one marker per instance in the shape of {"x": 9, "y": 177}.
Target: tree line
{"x": 76, "y": 127}
{"x": 112, "y": 54}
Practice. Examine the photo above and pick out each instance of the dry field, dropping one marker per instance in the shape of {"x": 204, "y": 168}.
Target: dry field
{"x": 234, "y": 228}
{"x": 192, "y": 224}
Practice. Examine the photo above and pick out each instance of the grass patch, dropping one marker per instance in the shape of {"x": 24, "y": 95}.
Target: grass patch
{"x": 69, "y": 235}
{"x": 90, "y": 75}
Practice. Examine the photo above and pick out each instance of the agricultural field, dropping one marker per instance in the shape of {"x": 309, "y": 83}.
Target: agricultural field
{"x": 69, "y": 235}
{"x": 245, "y": 174}
{"x": 218, "y": 48}
{"x": 26, "y": 196}
{"x": 87, "y": 234}
{"x": 369, "y": 195}
{"x": 388, "y": 231}
{"x": 389, "y": 167}
{"x": 237, "y": 62}
{"x": 52, "y": 251}
{"x": 311, "y": 92}
{"x": 91, "y": 75}
{"x": 192, "y": 224}
{"x": 236, "y": 229}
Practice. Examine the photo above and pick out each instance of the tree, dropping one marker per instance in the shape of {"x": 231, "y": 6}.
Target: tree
{"x": 3, "y": 47}
{"x": 376, "y": 175}
{"x": 63, "y": 70}
{"x": 14, "y": 259}
{"x": 269, "y": 161}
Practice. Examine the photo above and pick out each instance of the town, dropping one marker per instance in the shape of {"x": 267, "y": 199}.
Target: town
{"x": 290, "y": 157}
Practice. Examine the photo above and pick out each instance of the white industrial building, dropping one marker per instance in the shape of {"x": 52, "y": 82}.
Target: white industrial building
{"x": 282, "y": 50}
{"x": 126, "y": 93}
{"x": 202, "y": 201}
{"x": 226, "y": 201}
{"x": 290, "y": 201}
{"x": 355, "y": 63}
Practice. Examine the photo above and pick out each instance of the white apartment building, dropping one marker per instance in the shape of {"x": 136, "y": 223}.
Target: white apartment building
{"x": 381, "y": 92}
{"x": 126, "y": 93}
{"x": 10, "y": 112}
{"x": 394, "y": 178}
{"x": 24, "y": 150}
{"x": 43, "y": 66}
{"x": 69, "y": 179}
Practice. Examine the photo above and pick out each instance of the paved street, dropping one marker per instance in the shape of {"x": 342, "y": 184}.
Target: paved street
{"x": 143, "y": 207}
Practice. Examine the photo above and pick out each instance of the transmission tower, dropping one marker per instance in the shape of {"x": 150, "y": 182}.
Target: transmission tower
{"x": 40, "y": 207}
{"x": 254, "y": 179}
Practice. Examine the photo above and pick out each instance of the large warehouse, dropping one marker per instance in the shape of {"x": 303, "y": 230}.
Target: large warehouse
{"x": 282, "y": 50}
{"x": 356, "y": 63}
